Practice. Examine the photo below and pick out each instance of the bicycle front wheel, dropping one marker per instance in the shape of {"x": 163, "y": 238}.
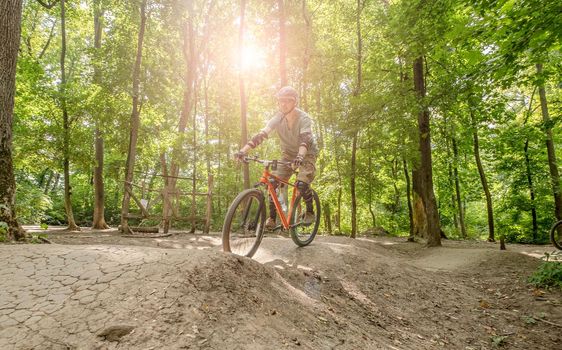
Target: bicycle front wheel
{"x": 556, "y": 235}
{"x": 305, "y": 219}
{"x": 244, "y": 224}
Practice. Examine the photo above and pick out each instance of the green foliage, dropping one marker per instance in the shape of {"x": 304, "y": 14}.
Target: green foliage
{"x": 3, "y": 231}
{"x": 548, "y": 274}
{"x": 480, "y": 61}
{"x": 498, "y": 340}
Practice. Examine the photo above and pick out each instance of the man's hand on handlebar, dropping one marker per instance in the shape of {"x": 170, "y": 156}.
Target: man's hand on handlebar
{"x": 240, "y": 156}
{"x": 297, "y": 162}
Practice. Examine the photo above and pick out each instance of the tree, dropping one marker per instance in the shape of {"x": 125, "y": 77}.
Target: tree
{"x": 552, "y": 162}
{"x": 99, "y": 192}
{"x": 10, "y": 30}
{"x": 428, "y": 224}
{"x": 135, "y": 124}
{"x": 242, "y": 90}
{"x": 66, "y": 124}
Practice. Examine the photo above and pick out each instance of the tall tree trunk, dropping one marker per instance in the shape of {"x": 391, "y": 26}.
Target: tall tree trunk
{"x": 66, "y": 126}
{"x": 483, "y": 180}
{"x": 99, "y": 194}
{"x": 352, "y": 187}
{"x": 306, "y": 56}
{"x": 458, "y": 187}
{"x": 49, "y": 182}
{"x": 194, "y": 171}
{"x": 282, "y": 42}
{"x": 340, "y": 185}
{"x": 243, "y": 101}
{"x": 370, "y": 188}
{"x": 451, "y": 181}
{"x": 356, "y": 132}
{"x": 10, "y": 30}
{"x": 190, "y": 58}
{"x": 425, "y": 194}
{"x": 529, "y": 172}
{"x": 451, "y": 178}
{"x": 207, "y": 154}
{"x": 135, "y": 124}
{"x": 531, "y": 190}
{"x": 409, "y": 199}
{"x": 552, "y": 163}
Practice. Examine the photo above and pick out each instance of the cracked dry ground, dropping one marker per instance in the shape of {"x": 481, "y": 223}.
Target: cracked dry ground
{"x": 335, "y": 294}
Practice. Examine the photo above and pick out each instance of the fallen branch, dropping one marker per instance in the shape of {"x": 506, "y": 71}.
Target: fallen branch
{"x": 548, "y": 322}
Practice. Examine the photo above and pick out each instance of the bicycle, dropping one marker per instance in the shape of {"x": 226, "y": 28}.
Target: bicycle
{"x": 556, "y": 234}
{"x": 244, "y": 224}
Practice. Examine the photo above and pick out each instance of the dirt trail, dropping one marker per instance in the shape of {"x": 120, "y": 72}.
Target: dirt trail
{"x": 181, "y": 292}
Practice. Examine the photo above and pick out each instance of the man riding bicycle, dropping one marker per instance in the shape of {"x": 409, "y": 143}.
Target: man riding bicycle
{"x": 298, "y": 147}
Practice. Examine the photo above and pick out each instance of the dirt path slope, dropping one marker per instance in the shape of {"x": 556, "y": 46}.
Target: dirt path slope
{"x": 181, "y": 292}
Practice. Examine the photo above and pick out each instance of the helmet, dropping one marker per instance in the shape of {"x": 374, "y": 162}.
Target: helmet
{"x": 288, "y": 92}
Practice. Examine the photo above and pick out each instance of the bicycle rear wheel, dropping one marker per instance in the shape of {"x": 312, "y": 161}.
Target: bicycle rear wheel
{"x": 556, "y": 234}
{"x": 303, "y": 232}
{"x": 244, "y": 224}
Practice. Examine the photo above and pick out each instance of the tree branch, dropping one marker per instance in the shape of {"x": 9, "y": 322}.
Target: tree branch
{"x": 48, "y": 5}
{"x": 48, "y": 40}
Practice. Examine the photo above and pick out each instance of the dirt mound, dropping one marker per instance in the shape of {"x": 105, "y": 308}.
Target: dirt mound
{"x": 337, "y": 293}
{"x": 349, "y": 294}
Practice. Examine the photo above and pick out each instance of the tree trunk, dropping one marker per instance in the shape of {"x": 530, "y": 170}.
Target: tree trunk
{"x": 552, "y": 163}
{"x": 340, "y": 186}
{"x": 530, "y": 174}
{"x": 66, "y": 126}
{"x": 328, "y": 218}
{"x": 431, "y": 230}
{"x": 135, "y": 123}
{"x": 194, "y": 168}
{"x": 458, "y": 187}
{"x": 409, "y": 199}
{"x": 208, "y": 157}
{"x": 489, "y": 207}
{"x": 370, "y": 188}
{"x": 356, "y": 132}
{"x": 243, "y": 102}
{"x": 99, "y": 194}
{"x": 10, "y": 30}
{"x": 451, "y": 181}
{"x": 306, "y": 57}
{"x": 190, "y": 57}
{"x": 531, "y": 190}
{"x": 49, "y": 181}
{"x": 352, "y": 187}
{"x": 282, "y": 42}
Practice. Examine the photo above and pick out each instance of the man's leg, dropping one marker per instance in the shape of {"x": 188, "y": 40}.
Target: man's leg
{"x": 306, "y": 175}
{"x": 304, "y": 189}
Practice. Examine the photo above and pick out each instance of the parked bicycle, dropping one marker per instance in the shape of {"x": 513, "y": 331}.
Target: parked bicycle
{"x": 244, "y": 224}
{"x": 556, "y": 234}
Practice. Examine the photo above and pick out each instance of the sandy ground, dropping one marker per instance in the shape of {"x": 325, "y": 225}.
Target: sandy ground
{"x": 99, "y": 290}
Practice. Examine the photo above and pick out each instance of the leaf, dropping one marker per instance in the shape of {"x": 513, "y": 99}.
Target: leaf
{"x": 499, "y": 340}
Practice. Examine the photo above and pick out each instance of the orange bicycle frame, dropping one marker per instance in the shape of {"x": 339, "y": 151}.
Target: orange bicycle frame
{"x": 285, "y": 220}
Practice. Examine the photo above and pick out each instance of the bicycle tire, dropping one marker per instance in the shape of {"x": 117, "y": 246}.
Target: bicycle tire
{"x": 301, "y": 239}
{"x": 556, "y": 235}
{"x": 233, "y": 240}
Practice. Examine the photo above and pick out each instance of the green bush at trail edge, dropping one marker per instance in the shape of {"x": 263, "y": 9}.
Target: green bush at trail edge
{"x": 548, "y": 274}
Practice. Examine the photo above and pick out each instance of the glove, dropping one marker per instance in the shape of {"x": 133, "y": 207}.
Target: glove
{"x": 239, "y": 156}
{"x": 298, "y": 161}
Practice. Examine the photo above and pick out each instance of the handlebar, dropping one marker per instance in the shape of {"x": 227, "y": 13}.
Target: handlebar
{"x": 265, "y": 162}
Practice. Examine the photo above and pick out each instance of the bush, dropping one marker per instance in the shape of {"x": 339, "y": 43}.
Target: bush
{"x": 548, "y": 274}
{"x": 3, "y": 231}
